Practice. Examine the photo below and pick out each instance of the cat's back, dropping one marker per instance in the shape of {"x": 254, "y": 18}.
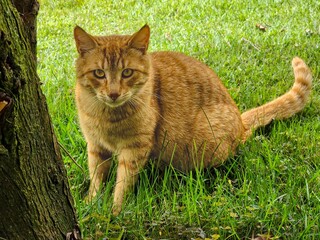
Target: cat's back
{"x": 178, "y": 64}
{"x": 187, "y": 79}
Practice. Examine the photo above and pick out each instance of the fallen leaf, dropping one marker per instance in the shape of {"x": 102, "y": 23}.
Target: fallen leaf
{"x": 3, "y": 104}
{"x": 215, "y": 236}
{"x": 168, "y": 36}
{"x": 309, "y": 32}
{"x": 234, "y": 215}
{"x": 262, "y": 237}
{"x": 261, "y": 27}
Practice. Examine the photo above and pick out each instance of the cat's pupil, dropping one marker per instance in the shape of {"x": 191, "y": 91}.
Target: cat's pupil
{"x": 99, "y": 73}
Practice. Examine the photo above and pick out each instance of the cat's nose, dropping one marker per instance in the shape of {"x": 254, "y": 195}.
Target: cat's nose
{"x": 114, "y": 96}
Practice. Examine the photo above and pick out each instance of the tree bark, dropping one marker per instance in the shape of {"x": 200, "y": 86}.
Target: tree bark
{"x": 28, "y": 10}
{"x": 35, "y": 200}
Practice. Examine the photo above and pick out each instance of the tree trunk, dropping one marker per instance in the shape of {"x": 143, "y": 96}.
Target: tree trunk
{"x": 35, "y": 201}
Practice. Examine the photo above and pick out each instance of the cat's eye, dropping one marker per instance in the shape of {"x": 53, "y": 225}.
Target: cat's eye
{"x": 99, "y": 73}
{"x": 126, "y": 73}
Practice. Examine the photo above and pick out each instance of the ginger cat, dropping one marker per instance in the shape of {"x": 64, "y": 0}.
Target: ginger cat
{"x": 136, "y": 104}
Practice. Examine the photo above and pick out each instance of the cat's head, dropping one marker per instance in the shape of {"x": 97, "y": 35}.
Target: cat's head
{"x": 114, "y": 67}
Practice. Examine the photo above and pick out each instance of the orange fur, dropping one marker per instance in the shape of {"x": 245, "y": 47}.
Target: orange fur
{"x": 134, "y": 104}
{"x": 284, "y": 106}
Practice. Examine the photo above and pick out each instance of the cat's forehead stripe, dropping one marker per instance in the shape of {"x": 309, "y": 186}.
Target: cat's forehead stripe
{"x": 104, "y": 59}
{"x": 112, "y": 58}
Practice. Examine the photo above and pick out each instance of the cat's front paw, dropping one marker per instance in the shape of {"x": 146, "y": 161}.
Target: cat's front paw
{"x": 88, "y": 199}
{"x": 91, "y": 195}
{"x": 116, "y": 209}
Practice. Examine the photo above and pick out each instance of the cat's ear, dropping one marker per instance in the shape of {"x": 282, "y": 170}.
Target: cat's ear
{"x": 84, "y": 41}
{"x": 140, "y": 39}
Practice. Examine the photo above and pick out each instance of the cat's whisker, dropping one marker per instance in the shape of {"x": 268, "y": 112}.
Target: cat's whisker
{"x": 94, "y": 102}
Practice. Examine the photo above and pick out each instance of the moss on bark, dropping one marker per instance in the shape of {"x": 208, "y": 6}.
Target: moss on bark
{"x": 35, "y": 201}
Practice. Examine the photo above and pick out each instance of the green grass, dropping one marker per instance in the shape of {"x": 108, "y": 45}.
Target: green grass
{"x": 271, "y": 187}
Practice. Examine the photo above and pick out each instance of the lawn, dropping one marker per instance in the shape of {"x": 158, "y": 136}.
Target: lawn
{"x": 272, "y": 186}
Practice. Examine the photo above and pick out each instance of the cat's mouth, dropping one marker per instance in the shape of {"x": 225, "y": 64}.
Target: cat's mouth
{"x": 113, "y": 103}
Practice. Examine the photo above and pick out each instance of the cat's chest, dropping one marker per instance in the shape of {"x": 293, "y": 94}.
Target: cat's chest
{"x": 116, "y": 132}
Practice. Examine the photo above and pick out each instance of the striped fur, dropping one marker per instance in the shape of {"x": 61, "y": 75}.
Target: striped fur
{"x": 164, "y": 104}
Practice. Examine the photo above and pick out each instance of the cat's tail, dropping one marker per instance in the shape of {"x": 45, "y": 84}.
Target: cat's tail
{"x": 284, "y": 106}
